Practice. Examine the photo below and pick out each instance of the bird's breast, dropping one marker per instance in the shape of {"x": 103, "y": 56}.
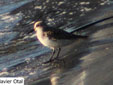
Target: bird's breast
{"x": 42, "y": 38}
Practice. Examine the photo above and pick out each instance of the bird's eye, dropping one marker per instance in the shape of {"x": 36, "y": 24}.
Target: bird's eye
{"x": 37, "y": 25}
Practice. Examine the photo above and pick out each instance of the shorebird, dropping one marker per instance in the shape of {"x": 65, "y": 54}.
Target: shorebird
{"x": 54, "y": 38}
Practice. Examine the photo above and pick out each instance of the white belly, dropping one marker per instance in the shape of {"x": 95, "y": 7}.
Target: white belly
{"x": 54, "y": 43}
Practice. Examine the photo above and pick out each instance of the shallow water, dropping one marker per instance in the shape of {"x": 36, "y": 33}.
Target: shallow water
{"x": 21, "y": 54}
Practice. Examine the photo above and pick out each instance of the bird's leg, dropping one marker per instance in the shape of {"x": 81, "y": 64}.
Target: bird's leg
{"x": 51, "y": 58}
{"x": 59, "y": 49}
{"x": 53, "y": 52}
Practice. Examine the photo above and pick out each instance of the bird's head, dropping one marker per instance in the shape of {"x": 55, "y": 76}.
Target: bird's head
{"x": 38, "y": 25}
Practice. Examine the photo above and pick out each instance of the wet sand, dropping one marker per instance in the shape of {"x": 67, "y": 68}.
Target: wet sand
{"x": 84, "y": 62}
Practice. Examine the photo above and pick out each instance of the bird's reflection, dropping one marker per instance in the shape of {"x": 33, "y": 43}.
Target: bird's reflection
{"x": 77, "y": 68}
{"x": 65, "y": 66}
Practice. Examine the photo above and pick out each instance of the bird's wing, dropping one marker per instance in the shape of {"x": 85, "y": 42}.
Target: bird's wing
{"x": 61, "y": 34}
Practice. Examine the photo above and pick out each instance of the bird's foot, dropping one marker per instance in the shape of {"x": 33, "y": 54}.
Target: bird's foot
{"x": 52, "y": 60}
{"x": 49, "y": 61}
